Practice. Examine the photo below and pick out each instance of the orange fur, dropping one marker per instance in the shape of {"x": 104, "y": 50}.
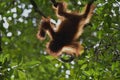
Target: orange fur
{"x": 64, "y": 38}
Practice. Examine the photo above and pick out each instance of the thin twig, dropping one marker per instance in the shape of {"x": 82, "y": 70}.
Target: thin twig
{"x": 54, "y": 3}
{"x": 36, "y": 8}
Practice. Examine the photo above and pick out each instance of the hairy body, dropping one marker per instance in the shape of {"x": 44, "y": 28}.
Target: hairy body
{"x": 64, "y": 38}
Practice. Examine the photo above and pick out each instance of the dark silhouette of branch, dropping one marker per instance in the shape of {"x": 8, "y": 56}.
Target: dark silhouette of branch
{"x": 54, "y": 3}
{"x": 36, "y": 8}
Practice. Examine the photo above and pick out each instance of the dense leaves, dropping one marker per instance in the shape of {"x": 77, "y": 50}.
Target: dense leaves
{"x": 23, "y": 56}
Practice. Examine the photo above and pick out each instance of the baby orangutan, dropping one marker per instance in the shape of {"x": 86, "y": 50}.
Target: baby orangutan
{"x": 64, "y": 37}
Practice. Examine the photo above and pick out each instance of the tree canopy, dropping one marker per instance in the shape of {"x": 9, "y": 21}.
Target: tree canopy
{"x": 23, "y": 56}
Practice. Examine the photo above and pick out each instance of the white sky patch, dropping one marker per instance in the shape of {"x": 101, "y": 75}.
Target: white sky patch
{"x": 73, "y": 62}
{"x": 25, "y": 21}
{"x": 26, "y": 12}
{"x": 20, "y": 19}
{"x": 14, "y": 15}
{"x": 68, "y": 72}
{"x": 23, "y": 5}
{"x": 4, "y": 18}
{"x": 18, "y": 1}
{"x": 116, "y": 25}
{"x": 10, "y": 18}
{"x": 96, "y": 45}
{"x": 90, "y": 78}
{"x": 34, "y": 22}
{"x": 100, "y": 5}
{"x": 19, "y": 6}
{"x": 56, "y": 65}
{"x": 8, "y": 12}
{"x": 13, "y": 76}
{"x": 94, "y": 34}
{"x": 114, "y": 14}
{"x": 79, "y": 3}
{"x": 6, "y": 43}
{"x": 13, "y": 10}
{"x": 9, "y": 34}
{"x": 106, "y": 0}
{"x": 72, "y": 67}
{"x": 45, "y": 52}
{"x": 5, "y": 24}
{"x": 62, "y": 67}
{"x": 67, "y": 76}
{"x": 116, "y": 4}
{"x": 15, "y": 21}
{"x": 18, "y": 33}
{"x": 30, "y": 6}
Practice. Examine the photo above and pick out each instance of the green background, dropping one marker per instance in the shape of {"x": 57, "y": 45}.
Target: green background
{"x": 23, "y": 57}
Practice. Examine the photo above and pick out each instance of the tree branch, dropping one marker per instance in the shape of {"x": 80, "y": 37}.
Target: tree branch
{"x": 36, "y": 8}
{"x": 54, "y": 3}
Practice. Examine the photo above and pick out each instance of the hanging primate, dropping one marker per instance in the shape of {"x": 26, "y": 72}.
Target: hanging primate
{"x": 64, "y": 37}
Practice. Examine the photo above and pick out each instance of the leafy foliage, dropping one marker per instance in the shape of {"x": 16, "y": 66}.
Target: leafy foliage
{"x": 23, "y": 56}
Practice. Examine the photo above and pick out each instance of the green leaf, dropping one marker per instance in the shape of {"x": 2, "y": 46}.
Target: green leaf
{"x": 22, "y": 75}
{"x": 83, "y": 66}
{"x": 87, "y": 73}
{"x": 31, "y": 63}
